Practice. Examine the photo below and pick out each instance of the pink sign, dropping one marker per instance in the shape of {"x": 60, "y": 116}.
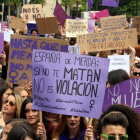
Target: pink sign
{"x": 91, "y": 15}
{"x": 103, "y": 13}
{"x": 4, "y": 25}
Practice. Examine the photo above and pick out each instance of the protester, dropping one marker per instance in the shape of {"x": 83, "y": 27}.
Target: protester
{"x": 136, "y": 71}
{"x": 104, "y": 54}
{"x": 34, "y": 32}
{"x": 22, "y": 132}
{"x": 119, "y": 51}
{"x": 129, "y": 22}
{"x": 72, "y": 127}
{"x": 93, "y": 54}
{"x": 133, "y": 129}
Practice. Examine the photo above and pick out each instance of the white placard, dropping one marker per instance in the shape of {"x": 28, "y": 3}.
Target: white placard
{"x": 119, "y": 62}
{"x": 7, "y": 34}
{"x": 74, "y": 49}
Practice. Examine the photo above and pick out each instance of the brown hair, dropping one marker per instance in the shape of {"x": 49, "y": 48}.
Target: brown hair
{"x": 104, "y": 54}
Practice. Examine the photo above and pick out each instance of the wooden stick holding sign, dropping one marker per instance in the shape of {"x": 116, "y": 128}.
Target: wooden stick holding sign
{"x": 46, "y": 25}
{"x": 40, "y": 119}
{"x": 89, "y": 124}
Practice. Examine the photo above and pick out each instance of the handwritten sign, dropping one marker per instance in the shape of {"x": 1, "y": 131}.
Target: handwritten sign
{"x": 1, "y": 42}
{"x": 69, "y": 84}
{"x": 126, "y": 92}
{"x": 74, "y": 27}
{"x": 17, "y": 23}
{"x": 119, "y": 62}
{"x": 103, "y": 41}
{"x": 31, "y": 11}
{"x": 7, "y": 34}
{"x": 20, "y": 55}
{"x": 74, "y": 49}
{"x": 113, "y": 23}
{"x": 60, "y": 14}
{"x": 31, "y": 26}
{"x": 136, "y": 23}
{"x": 110, "y": 3}
{"x": 103, "y": 13}
{"x": 4, "y": 25}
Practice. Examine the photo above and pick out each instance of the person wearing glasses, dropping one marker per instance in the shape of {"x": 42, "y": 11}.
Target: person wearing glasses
{"x": 34, "y": 32}
{"x": 136, "y": 70}
{"x": 114, "y": 127}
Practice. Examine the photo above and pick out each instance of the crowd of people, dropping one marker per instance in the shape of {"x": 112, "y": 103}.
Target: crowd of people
{"x": 18, "y": 121}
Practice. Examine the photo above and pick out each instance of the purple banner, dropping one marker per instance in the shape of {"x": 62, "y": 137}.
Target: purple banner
{"x": 60, "y": 14}
{"x": 69, "y": 84}
{"x": 90, "y": 3}
{"x": 110, "y": 3}
{"x": 1, "y": 42}
{"x": 127, "y": 92}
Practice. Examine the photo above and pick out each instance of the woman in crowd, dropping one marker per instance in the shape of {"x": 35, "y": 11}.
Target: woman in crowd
{"x": 33, "y": 117}
{"x": 72, "y": 128}
{"x": 119, "y": 52}
{"x": 22, "y": 91}
{"x": 116, "y": 76}
{"x": 96, "y": 54}
{"x": 133, "y": 129}
{"x": 22, "y": 132}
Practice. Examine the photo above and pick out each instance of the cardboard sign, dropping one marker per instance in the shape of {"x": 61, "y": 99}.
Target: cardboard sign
{"x": 47, "y": 25}
{"x": 69, "y": 84}
{"x": 60, "y": 14}
{"x": 113, "y": 23}
{"x": 103, "y": 13}
{"x": 110, "y": 3}
{"x": 74, "y": 49}
{"x": 136, "y": 23}
{"x": 20, "y": 55}
{"x": 7, "y": 34}
{"x": 31, "y": 11}
{"x": 17, "y": 23}
{"x": 102, "y": 41}
{"x": 4, "y": 25}
{"x": 126, "y": 92}
{"x": 119, "y": 62}
{"x": 62, "y": 30}
{"x": 1, "y": 42}
{"x": 31, "y": 26}
{"x": 74, "y": 27}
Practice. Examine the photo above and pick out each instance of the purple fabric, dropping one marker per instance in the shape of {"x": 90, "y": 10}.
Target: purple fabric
{"x": 110, "y": 3}
{"x": 69, "y": 17}
{"x": 90, "y": 3}
{"x": 1, "y": 42}
{"x": 65, "y": 135}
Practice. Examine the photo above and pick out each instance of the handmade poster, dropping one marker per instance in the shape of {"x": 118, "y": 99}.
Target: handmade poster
{"x": 136, "y": 23}
{"x": 4, "y": 25}
{"x": 62, "y": 29}
{"x": 102, "y": 41}
{"x": 74, "y": 27}
{"x": 126, "y": 92}
{"x": 103, "y": 13}
{"x": 47, "y": 25}
{"x": 74, "y": 49}
{"x": 17, "y": 23}
{"x": 110, "y": 3}
{"x": 113, "y": 23}
{"x": 31, "y": 26}
{"x": 69, "y": 84}
{"x": 60, "y": 14}
{"x": 1, "y": 42}
{"x": 7, "y": 34}
{"x": 31, "y": 11}
{"x": 20, "y": 55}
{"x": 119, "y": 62}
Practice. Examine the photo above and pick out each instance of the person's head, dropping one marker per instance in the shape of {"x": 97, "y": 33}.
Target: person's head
{"x": 119, "y": 51}
{"x": 72, "y": 41}
{"x": 22, "y": 132}
{"x": 28, "y": 113}
{"x": 70, "y": 122}
{"x": 6, "y": 49}
{"x": 104, "y": 54}
{"x": 58, "y": 36}
{"x": 12, "y": 105}
{"x": 94, "y": 54}
{"x": 22, "y": 91}
{"x": 5, "y": 90}
{"x": 133, "y": 129}
{"x": 114, "y": 126}
{"x": 34, "y": 32}
{"x": 129, "y": 20}
{"x": 10, "y": 124}
{"x": 136, "y": 71}
{"x": 116, "y": 76}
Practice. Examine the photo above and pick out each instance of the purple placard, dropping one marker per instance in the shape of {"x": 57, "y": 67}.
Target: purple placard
{"x": 110, "y": 3}
{"x": 31, "y": 26}
{"x": 1, "y": 42}
{"x": 90, "y": 3}
{"x": 69, "y": 84}
{"x": 60, "y": 14}
{"x": 4, "y": 25}
{"x": 127, "y": 92}
{"x": 69, "y": 17}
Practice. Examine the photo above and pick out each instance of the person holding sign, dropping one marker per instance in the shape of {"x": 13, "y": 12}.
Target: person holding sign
{"x": 72, "y": 128}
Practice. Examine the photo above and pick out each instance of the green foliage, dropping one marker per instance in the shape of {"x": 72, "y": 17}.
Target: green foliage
{"x": 83, "y": 7}
{"x": 43, "y": 2}
{"x": 67, "y": 2}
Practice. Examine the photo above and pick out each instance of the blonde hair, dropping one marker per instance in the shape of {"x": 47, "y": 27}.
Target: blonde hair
{"x": 18, "y": 90}
{"x": 61, "y": 127}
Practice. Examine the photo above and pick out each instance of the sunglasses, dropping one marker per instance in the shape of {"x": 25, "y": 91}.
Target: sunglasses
{"x": 11, "y": 103}
{"x": 125, "y": 137}
{"x": 136, "y": 73}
